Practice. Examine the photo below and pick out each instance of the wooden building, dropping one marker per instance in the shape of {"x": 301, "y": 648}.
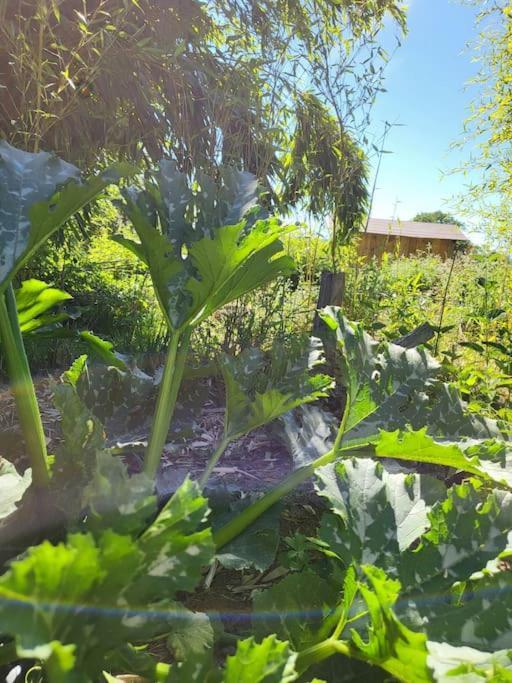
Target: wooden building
{"x": 409, "y": 237}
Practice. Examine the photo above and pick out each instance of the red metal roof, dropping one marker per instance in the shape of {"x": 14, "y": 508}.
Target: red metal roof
{"x": 440, "y": 231}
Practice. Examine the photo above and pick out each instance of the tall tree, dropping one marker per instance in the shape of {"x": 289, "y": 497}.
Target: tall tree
{"x": 436, "y": 217}
{"x": 205, "y": 82}
{"x": 490, "y": 122}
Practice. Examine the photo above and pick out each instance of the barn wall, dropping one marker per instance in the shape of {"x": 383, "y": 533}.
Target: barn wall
{"x": 375, "y": 245}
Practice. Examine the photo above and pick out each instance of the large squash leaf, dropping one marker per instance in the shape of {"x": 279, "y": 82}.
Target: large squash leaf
{"x": 75, "y": 461}
{"x": 297, "y": 609}
{"x": 410, "y": 526}
{"x": 386, "y": 384}
{"x": 199, "y": 263}
{"x": 390, "y": 387}
{"x": 358, "y": 622}
{"x": 257, "y": 546}
{"x": 308, "y": 432}
{"x": 116, "y": 500}
{"x": 397, "y": 408}
{"x": 489, "y": 459}
{"x": 38, "y": 194}
{"x": 478, "y": 616}
{"x": 377, "y": 513}
{"x": 270, "y": 661}
{"x": 466, "y": 665}
{"x": 440, "y": 547}
{"x": 389, "y": 643}
{"x": 262, "y": 387}
{"x": 467, "y": 530}
{"x": 86, "y": 475}
{"x": 109, "y": 390}
{"x": 81, "y": 599}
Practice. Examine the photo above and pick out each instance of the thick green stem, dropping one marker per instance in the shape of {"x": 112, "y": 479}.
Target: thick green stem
{"x": 340, "y": 436}
{"x": 22, "y": 388}
{"x": 162, "y": 672}
{"x": 166, "y": 402}
{"x": 251, "y": 513}
{"x": 317, "y": 653}
{"x": 223, "y": 444}
{"x": 327, "y": 648}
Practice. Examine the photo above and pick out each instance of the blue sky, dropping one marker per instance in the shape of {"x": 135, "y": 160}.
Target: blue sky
{"x": 427, "y": 94}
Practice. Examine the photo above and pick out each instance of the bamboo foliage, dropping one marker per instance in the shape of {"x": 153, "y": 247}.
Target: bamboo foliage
{"x": 203, "y": 82}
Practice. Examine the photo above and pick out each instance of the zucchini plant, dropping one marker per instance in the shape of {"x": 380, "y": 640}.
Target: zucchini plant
{"x": 204, "y": 246}
{"x": 405, "y": 573}
{"x": 38, "y": 194}
{"x": 400, "y": 571}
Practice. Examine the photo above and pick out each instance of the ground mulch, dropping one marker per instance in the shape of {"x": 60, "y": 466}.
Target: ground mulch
{"x": 254, "y": 463}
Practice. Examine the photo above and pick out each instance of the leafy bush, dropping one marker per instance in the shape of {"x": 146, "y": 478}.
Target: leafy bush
{"x": 107, "y": 284}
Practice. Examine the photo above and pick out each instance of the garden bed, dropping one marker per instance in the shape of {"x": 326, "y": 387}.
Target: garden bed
{"x": 255, "y": 463}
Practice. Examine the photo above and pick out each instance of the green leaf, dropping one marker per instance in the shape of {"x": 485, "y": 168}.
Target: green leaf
{"x": 349, "y": 670}
{"x": 220, "y": 263}
{"x": 94, "y": 595}
{"x": 83, "y": 439}
{"x": 43, "y": 596}
{"x": 259, "y": 388}
{"x": 75, "y": 371}
{"x": 175, "y": 197}
{"x": 138, "y": 660}
{"x": 38, "y": 194}
{"x": 448, "y": 418}
{"x": 103, "y": 350}
{"x": 308, "y": 433}
{"x": 270, "y": 661}
{"x": 176, "y": 552}
{"x": 432, "y": 542}
{"x": 378, "y": 513}
{"x": 390, "y": 644}
{"x": 198, "y": 669}
{"x": 116, "y": 500}
{"x": 390, "y": 387}
{"x": 34, "y": 299}
{"x": 408, "y": 525}
{"x": 420, "y": 447}
{"x": 257, "y": 545}
{"x": 477, "y": 617}
{"x": 59, "y": 662}
{"x": 191, "y": 634}
{"x": 107, "y": 391}
{"x": 12, "y": 487}
{"x": 467, "y": 530}
{"x": 233, "y": 263}
{"x": 487, "y": 459}
{"x": 386, "y": 384}
{"x": 296, "y": 609}
{"x": 187, "y": 214}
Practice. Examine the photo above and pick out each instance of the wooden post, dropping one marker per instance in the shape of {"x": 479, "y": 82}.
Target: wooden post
{"x": 332, "y": 289}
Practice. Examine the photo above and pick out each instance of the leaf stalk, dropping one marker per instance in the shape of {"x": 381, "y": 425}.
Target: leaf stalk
{"x": 166, "y": 401}
{"x": 22, "y": 388}
{"x": 321, "y": 651}
{"x": 216, "y": 456}
{"x": 252, "y": 512}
